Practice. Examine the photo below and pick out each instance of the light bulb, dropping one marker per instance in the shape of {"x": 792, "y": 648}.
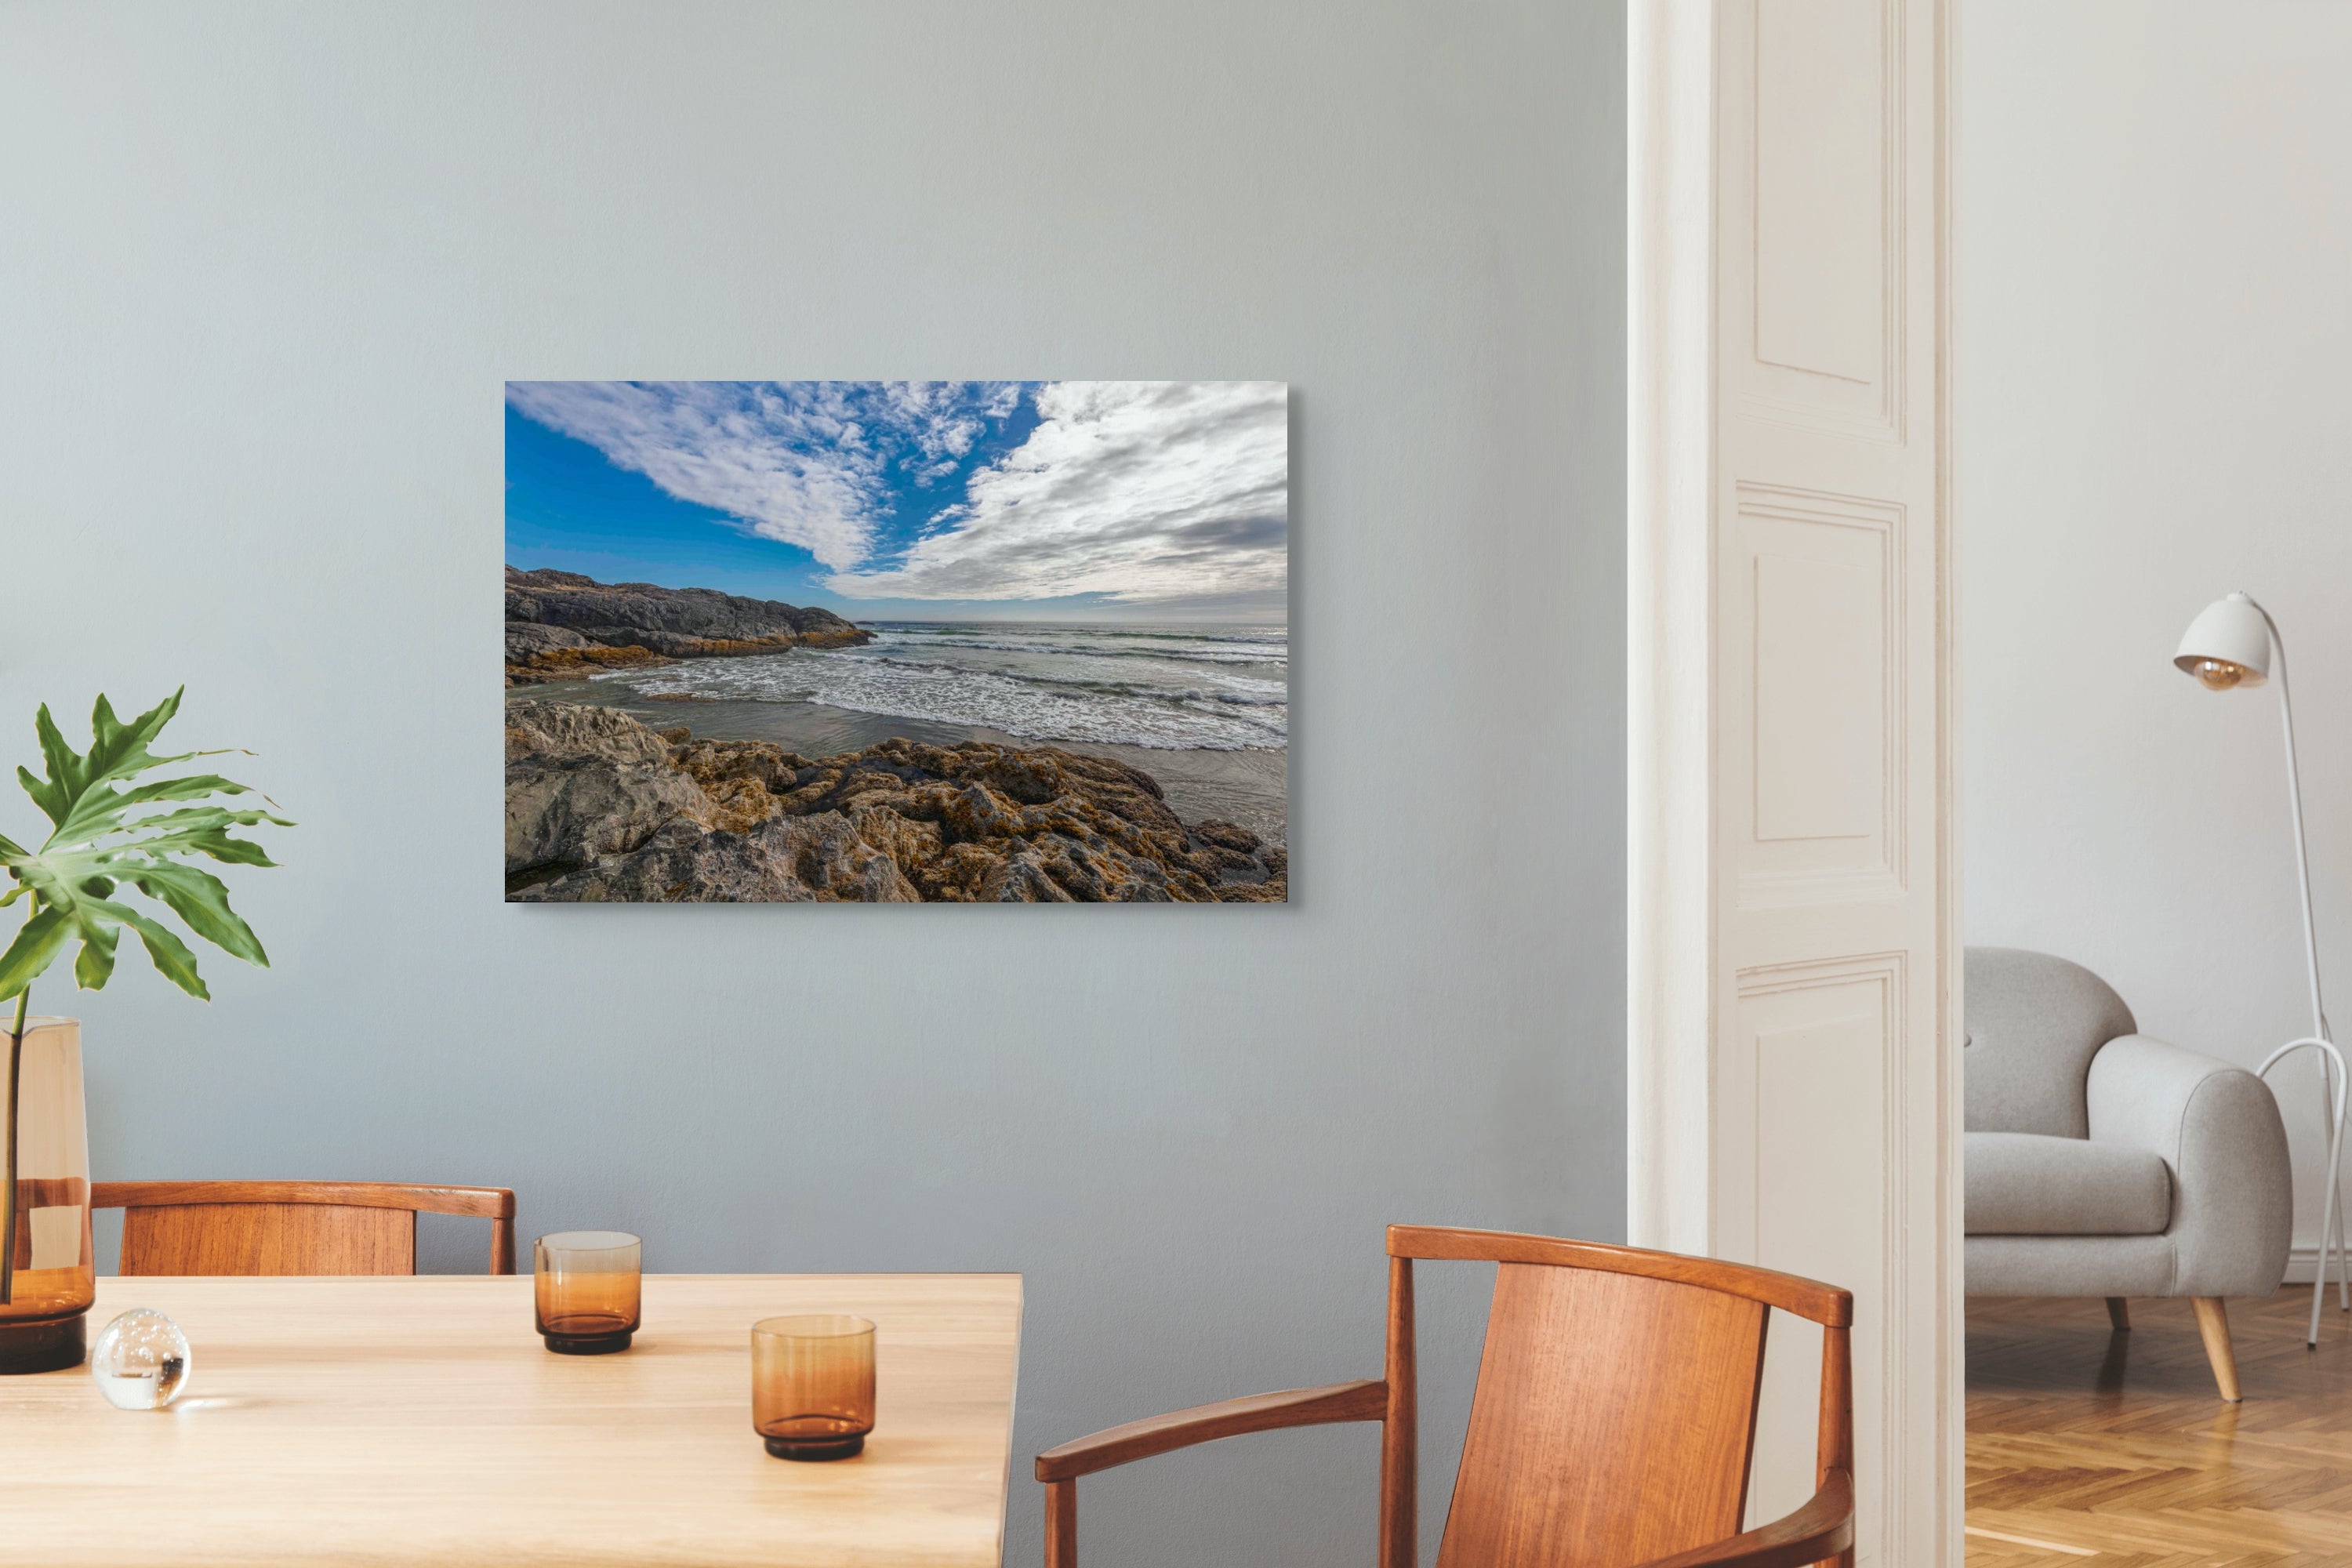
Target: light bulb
{"x": 2218, "y": 674}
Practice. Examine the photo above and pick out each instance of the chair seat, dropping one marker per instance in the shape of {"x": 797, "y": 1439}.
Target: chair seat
{"x": 2028, "y": 1183}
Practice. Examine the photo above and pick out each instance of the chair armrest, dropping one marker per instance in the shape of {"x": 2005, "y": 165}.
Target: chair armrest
{"x": 1814, "y": 1533}
{"x": 2217, "y": 1128}
{"x": 1366, "y": 1401}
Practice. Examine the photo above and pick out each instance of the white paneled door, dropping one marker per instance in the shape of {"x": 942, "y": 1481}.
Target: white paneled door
{"x": 1794, "y": 999}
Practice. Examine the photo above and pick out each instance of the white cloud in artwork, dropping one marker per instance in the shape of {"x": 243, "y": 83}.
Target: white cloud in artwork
{"x": 1134, "y": 490}
{"x": 805, "y": 463}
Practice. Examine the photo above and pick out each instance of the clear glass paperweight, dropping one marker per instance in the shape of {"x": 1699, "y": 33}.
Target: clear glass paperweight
{"x": 141, "y": 1361}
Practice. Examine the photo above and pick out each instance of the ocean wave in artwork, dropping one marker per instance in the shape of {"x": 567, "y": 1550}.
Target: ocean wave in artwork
{"x": 1182, "y": 689}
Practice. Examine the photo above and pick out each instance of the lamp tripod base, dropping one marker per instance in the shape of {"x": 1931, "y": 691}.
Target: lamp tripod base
{"x": 2331, "y": 1221}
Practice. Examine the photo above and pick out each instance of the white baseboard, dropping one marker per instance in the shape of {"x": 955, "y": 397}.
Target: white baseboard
{"x": 2301, "y": 1265}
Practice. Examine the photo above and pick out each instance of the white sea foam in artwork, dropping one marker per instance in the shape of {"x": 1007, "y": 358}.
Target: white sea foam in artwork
{"x": 1173, "y": 688}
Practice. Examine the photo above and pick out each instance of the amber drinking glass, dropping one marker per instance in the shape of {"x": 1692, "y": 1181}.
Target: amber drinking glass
{"x": 587, "y": 1290}
{"x": 813, "y": 1385}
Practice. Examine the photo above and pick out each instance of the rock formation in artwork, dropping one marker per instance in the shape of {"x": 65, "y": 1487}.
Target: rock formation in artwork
{"x": 602, "y": 809}
{"x": 563, "y": 627}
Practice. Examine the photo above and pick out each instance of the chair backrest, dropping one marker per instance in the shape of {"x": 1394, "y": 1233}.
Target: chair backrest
{"x": 291, "y": 1228}
{"x": 1615, "y": 1413}
{"x": 2033, "y": 1023}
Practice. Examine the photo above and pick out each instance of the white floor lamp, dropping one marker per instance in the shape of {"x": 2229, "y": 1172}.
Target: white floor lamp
{"x": 2228, "y": 646}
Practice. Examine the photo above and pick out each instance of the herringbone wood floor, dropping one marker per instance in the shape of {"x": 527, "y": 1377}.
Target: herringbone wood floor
{"x": 2092, "y": 1449}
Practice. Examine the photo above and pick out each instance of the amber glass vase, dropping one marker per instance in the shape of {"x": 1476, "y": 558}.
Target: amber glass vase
{"x": 51, "y": 1282}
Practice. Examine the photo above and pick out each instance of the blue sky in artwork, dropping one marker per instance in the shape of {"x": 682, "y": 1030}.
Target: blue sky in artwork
{"x": 1097, "y": 500}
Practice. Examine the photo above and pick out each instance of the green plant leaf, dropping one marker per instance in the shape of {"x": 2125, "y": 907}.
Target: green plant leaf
{"x": 102, "y": 842}
{"x": 200, "y": 899}
{"x": 42, "y": 939}
{"x": 202, "y": 831}
{"x": 95, "y": 963}
{"x": 57, "y": 796}
{"x": 103, "y": 811}
{"x": 118, "y": 750}
{"x": 171, "y": 955}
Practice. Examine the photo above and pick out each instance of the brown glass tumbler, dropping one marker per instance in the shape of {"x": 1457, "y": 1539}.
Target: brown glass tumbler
{"x": 587, "y": 1294}
{"x": 813, "y": 1385}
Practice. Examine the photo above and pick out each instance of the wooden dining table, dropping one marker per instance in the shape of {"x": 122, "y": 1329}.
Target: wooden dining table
{"x": 419, "y": 1420}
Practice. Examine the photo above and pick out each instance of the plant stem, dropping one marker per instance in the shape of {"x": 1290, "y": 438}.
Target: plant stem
{"x": 9, "y": 1177}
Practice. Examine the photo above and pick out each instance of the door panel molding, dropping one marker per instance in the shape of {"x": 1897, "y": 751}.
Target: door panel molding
{"x": 1827, "y": 312}
{"x": 1829, "y": 818}
{"x": 1855, "y": 1009}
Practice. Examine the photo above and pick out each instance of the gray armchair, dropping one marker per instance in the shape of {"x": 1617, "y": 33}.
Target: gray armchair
{"x": 2102, "y": 1162}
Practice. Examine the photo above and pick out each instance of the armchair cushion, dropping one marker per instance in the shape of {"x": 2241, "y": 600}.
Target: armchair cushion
{"x": 2023, "y": 1184}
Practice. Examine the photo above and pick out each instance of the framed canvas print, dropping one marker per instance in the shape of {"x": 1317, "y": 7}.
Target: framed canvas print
{"x": 936, "y": 642}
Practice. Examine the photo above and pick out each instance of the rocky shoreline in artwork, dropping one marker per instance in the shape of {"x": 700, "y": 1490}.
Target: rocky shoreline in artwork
{"x": 561, "y": 626}
{"x": 600, "y": 808}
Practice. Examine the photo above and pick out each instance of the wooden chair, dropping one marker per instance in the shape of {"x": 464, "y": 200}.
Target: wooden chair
{"x": 291, "y": 1228}
{"x": 1613, "y": 1426}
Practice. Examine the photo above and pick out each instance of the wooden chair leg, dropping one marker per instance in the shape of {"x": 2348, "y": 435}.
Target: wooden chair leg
{"x": 2118, "y": 1314}
{"x": 2213, "y": 1323}
{"x": 1062, "y": 1524}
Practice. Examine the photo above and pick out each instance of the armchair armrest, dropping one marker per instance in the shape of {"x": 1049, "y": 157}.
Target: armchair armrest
{"x": 2217, "y": 1128}
{"x": 1366, "y": 1401}
{"x": 1816, "y": 1533}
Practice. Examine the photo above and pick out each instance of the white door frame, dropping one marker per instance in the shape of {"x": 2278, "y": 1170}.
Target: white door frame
{"x": 1710, "y": 430}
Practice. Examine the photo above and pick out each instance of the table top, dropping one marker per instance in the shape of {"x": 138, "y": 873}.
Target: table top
{"x": 419, "y": 1420}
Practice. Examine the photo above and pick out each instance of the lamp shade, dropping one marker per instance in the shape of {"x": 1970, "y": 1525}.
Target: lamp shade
{"x": 2229, "y": 644}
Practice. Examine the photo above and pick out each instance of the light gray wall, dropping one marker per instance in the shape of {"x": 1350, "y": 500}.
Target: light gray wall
{"x": 2152, "y": 332}
{"x": 262, "y": 274}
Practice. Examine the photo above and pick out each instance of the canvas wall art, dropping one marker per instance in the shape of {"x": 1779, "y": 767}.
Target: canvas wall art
{"x": 898, "y": 642}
